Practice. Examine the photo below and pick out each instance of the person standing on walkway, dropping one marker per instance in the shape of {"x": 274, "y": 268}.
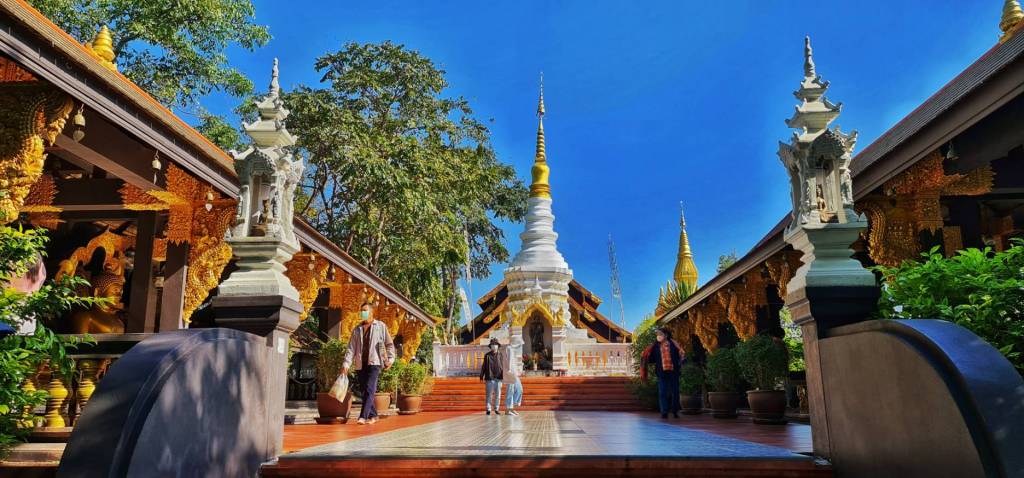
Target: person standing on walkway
{"x": 510, "y": 377}
{"x": 491, "y": 373}
{"x": 373, "y": 350}
{"x": 667, "y": 357}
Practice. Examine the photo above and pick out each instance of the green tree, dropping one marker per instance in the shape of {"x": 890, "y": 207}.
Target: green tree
{"x": 726, "y": 261}
{"x": 981, "y": 290}
{"x": 21, "y": 355}
{"x": 216, "y": 129}
{"x": 399, "y": 175}
{"x": 175, "y": 50}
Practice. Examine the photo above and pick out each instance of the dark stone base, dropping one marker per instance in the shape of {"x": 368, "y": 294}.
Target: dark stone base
{"x": 259, "y": 315}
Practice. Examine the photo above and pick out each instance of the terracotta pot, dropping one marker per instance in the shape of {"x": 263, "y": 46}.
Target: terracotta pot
{"x": 331, "y": 409}
{"x": 409, "y": 404}
{"x": 768, "y": 406}
{"x": 383, "y": 402}
{"x": 723, "y": 404}
{"x": 691, "y": 404}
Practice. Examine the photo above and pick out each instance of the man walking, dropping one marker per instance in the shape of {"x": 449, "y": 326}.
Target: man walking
{"x": 373, "y": 350}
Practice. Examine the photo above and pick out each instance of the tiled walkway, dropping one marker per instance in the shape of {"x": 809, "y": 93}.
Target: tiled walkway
{"x": 544, "y": 444}
{"x": 547, "y": 434}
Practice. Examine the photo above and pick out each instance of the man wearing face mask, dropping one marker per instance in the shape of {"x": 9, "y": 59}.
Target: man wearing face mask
{"x": 491, "y": 372}
{"x": 667, "y": 357}
{"x": 373, "y": 350}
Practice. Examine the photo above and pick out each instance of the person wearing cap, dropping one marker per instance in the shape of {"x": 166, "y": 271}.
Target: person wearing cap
{"x": 372, "y": 350}
{"x": 667, "y": 357}
{"x": 491, "y": 372}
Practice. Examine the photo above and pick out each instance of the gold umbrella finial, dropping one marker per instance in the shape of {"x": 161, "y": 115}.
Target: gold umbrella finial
{"x": 1012, "y": 15}
{"x": 540, "y": 171}
{"x": 102, "y": 45}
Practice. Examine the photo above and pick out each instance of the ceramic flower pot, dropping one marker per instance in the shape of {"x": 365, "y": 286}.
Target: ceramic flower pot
{"x": 723, "y": 404}
{"x": 768, "y": 406}
{"x": 331, "y": 409}
{"x": 383, "y": 402}
{"x": 691, "y": 404}
{"x": 409, "y": 404}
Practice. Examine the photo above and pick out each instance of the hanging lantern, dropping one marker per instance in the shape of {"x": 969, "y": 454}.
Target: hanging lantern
{"x": 78, "y": 133}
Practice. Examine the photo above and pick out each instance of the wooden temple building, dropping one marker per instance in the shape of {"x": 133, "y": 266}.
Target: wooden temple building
{"x": 140, "y": 204}
{"x": 948, "y": 175}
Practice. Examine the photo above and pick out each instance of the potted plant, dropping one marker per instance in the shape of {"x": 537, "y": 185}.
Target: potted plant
{"x": 329, "y": 362}
{"x": 413, "y": 383}
{"x": 387, "y": 385}
{"x": 723, "y": 376}
{"x": 691, "y": 380}
{"x": 763, "y": 362}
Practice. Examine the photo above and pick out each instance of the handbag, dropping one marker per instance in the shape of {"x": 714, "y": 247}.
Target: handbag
{"x": 340, "y": 388}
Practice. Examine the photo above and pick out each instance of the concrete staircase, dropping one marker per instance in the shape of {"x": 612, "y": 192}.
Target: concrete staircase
{"x": 539, "y": 393}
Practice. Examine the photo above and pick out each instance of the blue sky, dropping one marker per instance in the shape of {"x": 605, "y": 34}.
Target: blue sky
{"x": 649, "y": 104}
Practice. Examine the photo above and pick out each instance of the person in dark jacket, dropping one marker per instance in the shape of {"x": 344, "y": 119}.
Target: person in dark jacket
{"x": 490, "y": 371}
{"x": 667, "y": 357}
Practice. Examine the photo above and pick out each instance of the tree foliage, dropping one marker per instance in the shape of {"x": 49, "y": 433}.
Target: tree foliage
{"x": 175, "y": 50}
{"x": 217, "y": 130}
{"x": 980, "y": 290}
{"x": 763, "y": 361}
{"x": 399, "y": 175}
{"x": 726, "y": 261}
{"x": 21, "y": 355}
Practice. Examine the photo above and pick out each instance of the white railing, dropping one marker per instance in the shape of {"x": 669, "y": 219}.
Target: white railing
{"x": 458, "y": 360}
{"x": 599, "y": 359}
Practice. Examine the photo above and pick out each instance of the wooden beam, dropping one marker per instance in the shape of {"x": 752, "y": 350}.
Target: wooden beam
{"x": 142, "y": 300}
{"x": 87, "y": 216}
{"x": 88, "y": 194}
{"x": 173, "y": 298}
{"x": 107, "y": 147}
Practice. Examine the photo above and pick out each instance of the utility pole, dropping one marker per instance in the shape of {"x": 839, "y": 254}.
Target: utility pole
{"x": 616, "y": 286}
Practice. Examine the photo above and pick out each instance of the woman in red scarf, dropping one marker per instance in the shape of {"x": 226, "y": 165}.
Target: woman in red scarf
{"x": 667, "y": 357}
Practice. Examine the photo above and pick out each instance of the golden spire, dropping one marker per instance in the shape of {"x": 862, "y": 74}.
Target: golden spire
{"x": 1012, "y": 15}
{"x": 686, "y": 270}
{"x": 540, "y": 187}
{"x": 102, "y": 45}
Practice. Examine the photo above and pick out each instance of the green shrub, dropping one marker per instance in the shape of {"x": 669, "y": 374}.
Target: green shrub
{"x": 646, "y": 391}
{"x": 794, "y": 340}
{"x": 763, "y": 361}
{"x": 20, "y": 356}
{"x": 329, "y": 362}
{"x": 691, "y": 379}
{"x": 643, "y": 336}
{"x": 980, "y": 290}
{"x": 723, "y": 373}
{"x": 388, "y": 382}
{"x": 413, "y": 379}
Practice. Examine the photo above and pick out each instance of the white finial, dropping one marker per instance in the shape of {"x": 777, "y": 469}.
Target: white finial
{"x": 682, "y": 219}
{"x": 808, "y": 59}
{"x": 275, "y": 87}
{"x": 540, "y": 103}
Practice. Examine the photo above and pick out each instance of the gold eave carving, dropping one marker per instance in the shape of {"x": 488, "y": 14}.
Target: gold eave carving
{"x": 197, "y": 215}
{"x": 39, "y": 203}
{"x": 910, "y": 204}
{"x": 32, "y": 114}
{"x": 307, "y": 272}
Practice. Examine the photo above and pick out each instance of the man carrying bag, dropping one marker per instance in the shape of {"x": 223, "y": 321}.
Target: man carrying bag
{"x": 373, "y": 350}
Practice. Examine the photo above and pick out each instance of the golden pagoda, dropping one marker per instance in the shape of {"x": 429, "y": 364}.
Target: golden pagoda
{"x": 1012, "y": 15}
{"x": 684, "y": 277}
{"x": 540, "y": 187}
{"x": 685, "y": 271}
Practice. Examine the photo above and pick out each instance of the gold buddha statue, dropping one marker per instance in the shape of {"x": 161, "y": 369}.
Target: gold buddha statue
{"x": 103, "y": 317}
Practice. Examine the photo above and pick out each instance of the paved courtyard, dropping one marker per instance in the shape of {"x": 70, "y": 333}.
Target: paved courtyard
{"x": 548, "y": 434}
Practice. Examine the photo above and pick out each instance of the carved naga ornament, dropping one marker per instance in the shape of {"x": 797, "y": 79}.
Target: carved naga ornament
{"x": 817, "y": 158}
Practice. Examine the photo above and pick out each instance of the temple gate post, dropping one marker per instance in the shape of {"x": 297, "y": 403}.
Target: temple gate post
{"x": 831, "y": 288}
{"x": 258, "y": 298}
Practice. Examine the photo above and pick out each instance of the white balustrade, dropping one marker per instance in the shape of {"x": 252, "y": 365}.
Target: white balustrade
{"x": 595, "y": 359}
{"x": 458, "y": 360}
